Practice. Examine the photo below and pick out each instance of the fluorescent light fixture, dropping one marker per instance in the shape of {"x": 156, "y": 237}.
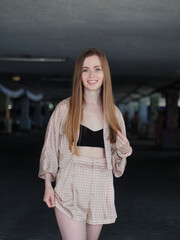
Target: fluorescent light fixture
{"x": 135, "y": 96}
{"x": 144, "y": 90}
{"x": 32, "y": 59}
{"x": 56, "y": 79}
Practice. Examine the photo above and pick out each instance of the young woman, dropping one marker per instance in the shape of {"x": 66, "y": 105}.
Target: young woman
{"x": 85, "y": 144}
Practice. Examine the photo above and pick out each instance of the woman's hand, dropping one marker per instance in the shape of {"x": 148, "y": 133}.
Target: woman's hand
{"x": 49, "y": 191}
{"x": 49, "y": 196}
{"x": 122, "y": 143}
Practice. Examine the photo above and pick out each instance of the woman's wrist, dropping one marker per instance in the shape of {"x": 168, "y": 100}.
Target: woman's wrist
{"x": 48, "y": 180}
{"x": 125, "y": 150}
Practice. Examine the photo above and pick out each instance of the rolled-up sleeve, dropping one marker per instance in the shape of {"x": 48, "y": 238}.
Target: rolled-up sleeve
{"x": 119, "y": 162}
{"x": 49, "y": 154}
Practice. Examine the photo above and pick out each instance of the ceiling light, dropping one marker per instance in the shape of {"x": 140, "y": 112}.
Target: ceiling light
{"x": 51, "y": 106}
{"x": 16, "y": 78}
{"x": 32, "y": 59}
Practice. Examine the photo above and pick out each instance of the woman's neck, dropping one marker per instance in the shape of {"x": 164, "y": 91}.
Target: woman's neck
{"x": 92, "y": 97}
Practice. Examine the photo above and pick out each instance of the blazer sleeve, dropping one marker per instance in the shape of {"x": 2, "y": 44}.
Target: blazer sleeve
{"x": 49, "y": 154}
{"x": 119, "y": 160}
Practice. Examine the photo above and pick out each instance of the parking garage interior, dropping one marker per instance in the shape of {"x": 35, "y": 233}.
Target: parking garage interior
{"x": 39, "y": 44}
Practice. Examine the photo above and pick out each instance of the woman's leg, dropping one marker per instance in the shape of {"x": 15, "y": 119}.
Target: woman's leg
{"x": 69, "y": 228}
{"x": 93, "y": 231}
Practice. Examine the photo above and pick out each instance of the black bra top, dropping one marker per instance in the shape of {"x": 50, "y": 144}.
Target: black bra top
{"x": 90, "y": 138}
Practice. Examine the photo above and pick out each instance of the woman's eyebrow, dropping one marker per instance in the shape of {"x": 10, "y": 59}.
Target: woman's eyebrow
{"x": 94, "y": 66}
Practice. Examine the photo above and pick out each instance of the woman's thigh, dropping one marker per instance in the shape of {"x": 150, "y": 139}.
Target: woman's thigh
{"x": 69, "y": 228}
{"x": 93, "y": 231}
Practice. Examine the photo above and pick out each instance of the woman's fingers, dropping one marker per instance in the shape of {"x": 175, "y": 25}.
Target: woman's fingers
{"x": 121, "y": 139}
{"x": 52, "y": 200}
{"x": 49, "y": 198}
{"x": 49, "y": 202}
{"x": 121, "y": 135}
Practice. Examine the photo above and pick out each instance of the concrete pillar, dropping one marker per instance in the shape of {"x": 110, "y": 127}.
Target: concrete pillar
{"x": 131, "y": 108}
{"x": 38, "y": 119}
{"x": 7, "y": 108}
{"x": 143, "y": 116}
{"x": 133, "y": 116}
{"x": 154, "y": 105}
{"x": 143, "y": 108}
{"x": 25, "y": 122}
{"x": 171, "y": 135}
{"x": 47, "y": 114}
{"x": 122, "y": 107}
{"x": 172, "y": 113}
{"x": 8, "y": 120}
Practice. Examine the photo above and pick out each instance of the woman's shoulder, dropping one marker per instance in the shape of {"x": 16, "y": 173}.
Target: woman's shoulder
{"x": 64, "y": 104}
{"x": 61, "y": 108}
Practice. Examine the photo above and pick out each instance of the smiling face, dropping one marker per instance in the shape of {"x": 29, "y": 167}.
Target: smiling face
{"x": 92, "y": 73}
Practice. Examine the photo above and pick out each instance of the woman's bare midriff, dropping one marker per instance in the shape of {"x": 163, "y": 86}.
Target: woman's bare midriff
{"x": 91, "y": 152}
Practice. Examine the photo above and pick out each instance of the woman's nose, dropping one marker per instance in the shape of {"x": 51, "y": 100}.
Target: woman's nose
{"x": 91, "y": 73}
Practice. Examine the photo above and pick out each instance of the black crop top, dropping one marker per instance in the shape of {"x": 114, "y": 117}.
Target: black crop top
{"x": 90, "y": 138}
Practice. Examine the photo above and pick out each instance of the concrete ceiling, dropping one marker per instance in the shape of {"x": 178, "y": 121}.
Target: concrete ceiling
{"x": 141, "y": 40}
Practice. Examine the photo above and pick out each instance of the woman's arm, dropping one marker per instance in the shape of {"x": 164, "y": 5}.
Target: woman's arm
{"x": 121, "y": 149}
{"x": 49, "y": 191}
{"x": 123, "y": 146}
{"x": 49, "y": 153}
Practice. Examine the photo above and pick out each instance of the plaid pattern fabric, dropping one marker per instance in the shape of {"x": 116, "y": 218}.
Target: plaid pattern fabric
{"x": 84, "y": 191}
{"x": 56, "y": 154}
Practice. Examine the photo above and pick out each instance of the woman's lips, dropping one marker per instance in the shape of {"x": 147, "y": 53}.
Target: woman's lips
{"x": 92, "y": 82}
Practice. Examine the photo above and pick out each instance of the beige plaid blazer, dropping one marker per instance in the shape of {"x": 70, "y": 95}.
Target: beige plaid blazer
{"x": 56, "y": 154}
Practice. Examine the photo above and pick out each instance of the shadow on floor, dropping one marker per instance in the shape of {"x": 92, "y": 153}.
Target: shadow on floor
{"x": 147, "y": 196}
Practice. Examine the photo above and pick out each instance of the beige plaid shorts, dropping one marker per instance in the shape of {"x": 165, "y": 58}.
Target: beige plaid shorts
{"x": 84, "y": 191}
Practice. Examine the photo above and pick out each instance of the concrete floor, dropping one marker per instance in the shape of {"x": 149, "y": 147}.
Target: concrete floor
{"x": 147, "y": 195}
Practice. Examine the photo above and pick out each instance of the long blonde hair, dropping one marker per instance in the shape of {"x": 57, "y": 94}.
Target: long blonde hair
{"x": 76, "y": 101}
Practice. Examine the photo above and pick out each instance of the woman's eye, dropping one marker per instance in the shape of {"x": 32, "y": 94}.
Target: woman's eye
{"x": 85, "y": 70}
{"x": 98, "y": 69}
